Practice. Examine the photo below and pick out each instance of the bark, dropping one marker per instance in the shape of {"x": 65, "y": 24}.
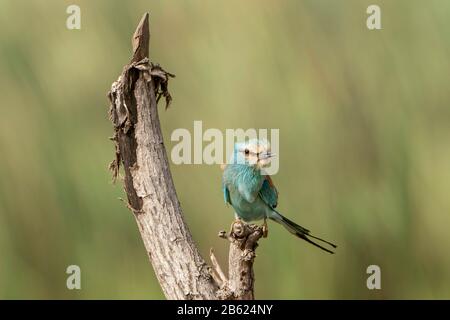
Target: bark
{"x": 243, "y": 243}
{"x": 177, "y": 263}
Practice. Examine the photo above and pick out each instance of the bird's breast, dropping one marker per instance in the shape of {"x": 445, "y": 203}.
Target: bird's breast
{"x": 247, "y": 211}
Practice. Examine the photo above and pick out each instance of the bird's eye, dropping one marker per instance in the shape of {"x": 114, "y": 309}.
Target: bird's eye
{"x": 247, "y": 151}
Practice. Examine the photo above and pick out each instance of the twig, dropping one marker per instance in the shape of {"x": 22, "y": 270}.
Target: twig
{"x": 243, "y": 240}
{"x": 221, "y": 279}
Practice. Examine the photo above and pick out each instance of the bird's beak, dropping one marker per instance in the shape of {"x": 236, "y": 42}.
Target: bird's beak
{"x": 266, "y": 155}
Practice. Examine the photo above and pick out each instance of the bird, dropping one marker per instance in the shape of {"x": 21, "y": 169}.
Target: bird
{"x": 252, "y": 193}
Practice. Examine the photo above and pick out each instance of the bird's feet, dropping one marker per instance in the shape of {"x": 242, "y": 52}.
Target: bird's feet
{"x": 265, "y": 228}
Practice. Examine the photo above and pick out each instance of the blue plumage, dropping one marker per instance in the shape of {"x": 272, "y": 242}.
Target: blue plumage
{"x": 252, "y": 194}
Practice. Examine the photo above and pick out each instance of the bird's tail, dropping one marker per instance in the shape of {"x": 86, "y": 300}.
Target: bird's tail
{"x": 299, "y": 231}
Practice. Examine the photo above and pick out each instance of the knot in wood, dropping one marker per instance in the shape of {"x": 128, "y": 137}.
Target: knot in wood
{"x": 239, "y": 230}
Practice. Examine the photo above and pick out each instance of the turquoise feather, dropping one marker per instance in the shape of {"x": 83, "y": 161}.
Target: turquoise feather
{"x": 253, "y": 195}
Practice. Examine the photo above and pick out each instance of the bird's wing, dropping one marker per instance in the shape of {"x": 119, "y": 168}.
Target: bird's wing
{"x": 269, "y": 193}
{"x": 226, "y": 194}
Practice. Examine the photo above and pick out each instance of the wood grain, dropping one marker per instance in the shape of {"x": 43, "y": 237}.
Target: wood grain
{"x": 151, "y": 196}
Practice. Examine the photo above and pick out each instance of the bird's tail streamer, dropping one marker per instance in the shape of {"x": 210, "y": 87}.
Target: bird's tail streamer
{"x": 300, "y": 232}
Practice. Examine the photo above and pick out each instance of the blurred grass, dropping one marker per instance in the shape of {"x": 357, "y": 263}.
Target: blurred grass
{"x": 364, "y": 124}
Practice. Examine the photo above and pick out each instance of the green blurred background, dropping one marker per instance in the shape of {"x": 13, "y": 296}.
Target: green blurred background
{"x": 364, "y": 119}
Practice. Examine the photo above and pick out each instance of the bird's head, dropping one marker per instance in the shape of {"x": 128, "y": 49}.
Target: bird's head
{"x": 255, "y": 153}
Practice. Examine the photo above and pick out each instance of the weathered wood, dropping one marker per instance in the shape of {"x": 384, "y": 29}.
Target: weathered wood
{"x": 243, "y": 243}
{"x": 178, "y": 265}
{"x": 181, "y": 271}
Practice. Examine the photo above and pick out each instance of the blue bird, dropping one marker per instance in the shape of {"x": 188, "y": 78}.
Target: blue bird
{"x": 252, "y": 193}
